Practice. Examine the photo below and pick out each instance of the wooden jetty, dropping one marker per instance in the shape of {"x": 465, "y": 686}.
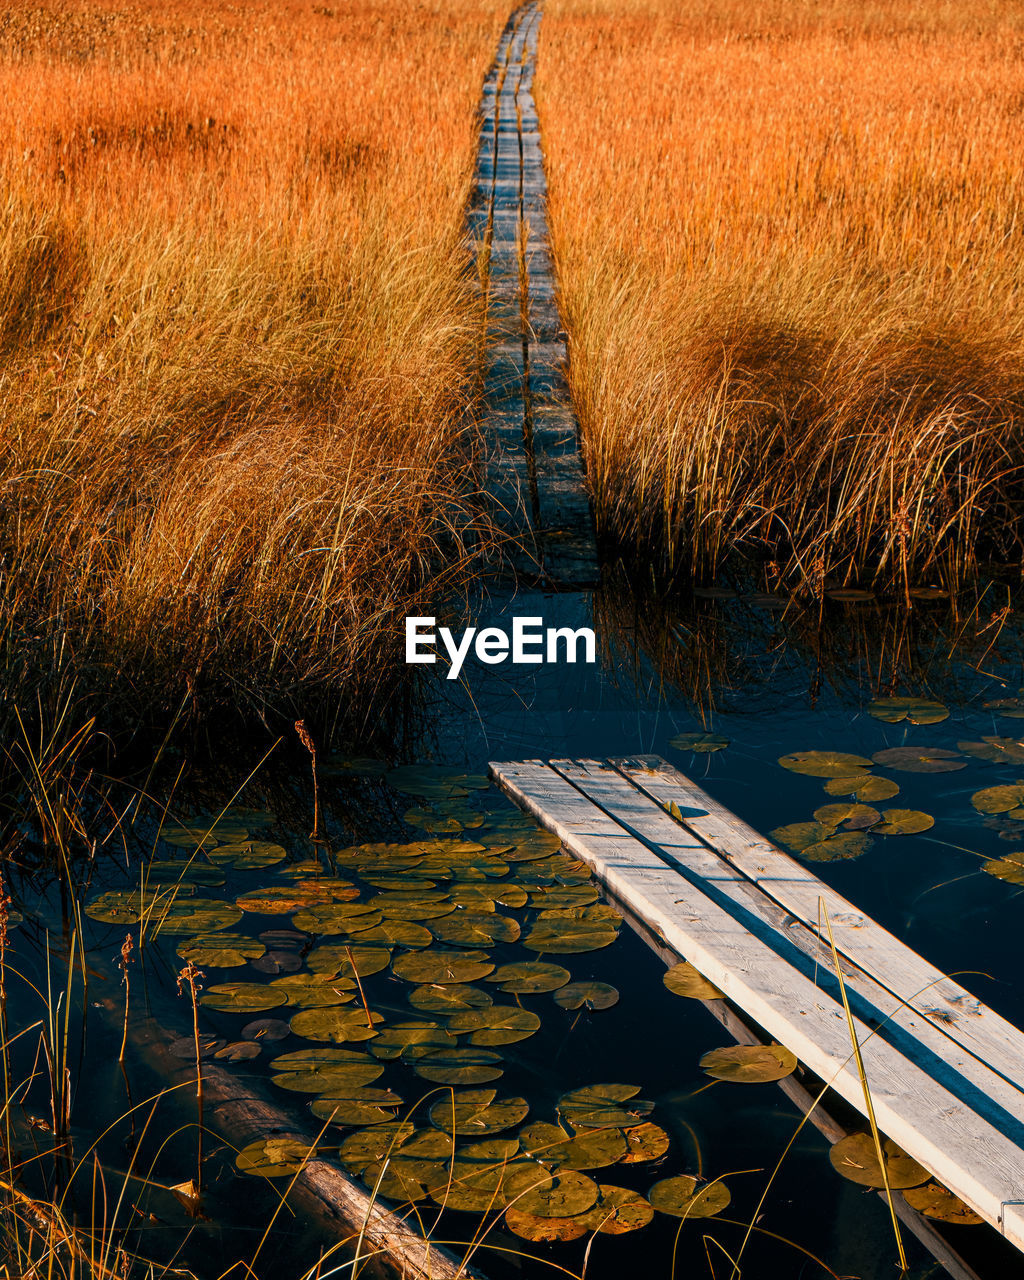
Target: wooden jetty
{"x": 532, "y": 470}
{"x": 946, "y": 1073}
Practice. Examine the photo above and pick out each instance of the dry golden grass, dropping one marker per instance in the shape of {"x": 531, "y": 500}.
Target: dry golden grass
{"x": 788, "y": 241}
{"x": 238, "y": 332}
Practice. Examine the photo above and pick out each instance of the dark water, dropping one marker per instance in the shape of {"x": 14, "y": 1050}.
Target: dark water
{"x": 770, "y": 683}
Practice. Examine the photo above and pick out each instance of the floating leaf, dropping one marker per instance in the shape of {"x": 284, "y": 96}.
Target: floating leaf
{"x": 530, "y": 977}
{"x": 337, "y": 962}
{"x": 402, "y": 1180}
{"x": 818, "y": 843}
{"x": 999, "y": 799}
{"x": 995, "y": 750}
{"x": 247, "y": 856}
{"x": 332, "y": 1078}
{"x": 315, "y": 991}
{"x": 459, "y": 1066}
{"x": 568, "y": 1194}
{"x": 586, "y": 995}
{"x": 682, "y": 1198}
{"x": 699, "y": 742}
{"x": 396, "y": 933}
{"x": 938, "y": 1202}
{"x": 187, "y": 837}
{"x": 618, "y": 1211}
{"x": 903, "y": 822}
{"x": 357, "y": 1106}
{"x": 644, "y": 1142}
{"x": 443, "y": 967}
{"x": 410, "y": 1040}
{"x": 565, "y": 937}
{"x": 914, "y": 710}
{"x": 277, "y": 900}
{"x": 475, "y": 895}
{"x": 1009, "y": 868}
{"x": 221, "y": 950}
{"x": 239, "y": 1051}
{"x": 499, "y": 1024}
{"x": 589, "y": 1149}
{"x": 854, "y": 817}
{"x": 528, "y": 1226}
{"x": 361, "y": 1149}
{"x": 334, "y": 1026}
{"x": 856, "y": 1158}
{"x": 1013, "y": 708}
{"x": 824, "y": 764}
{"x": 920, "y": 759}
{"x": 266, "y": 1029}
{"x": 392, "y": 907}
{"x": 274, "y": 1157}
{"x": 684, "y": 980}
{"x": 277, "y": 962}
{"x": 868, "y": 788}
{"x": 337, "y": 917}
{"x": 473, "y": 930}
{"x": 242, "y": 997}
{"x": 604, "y": 1105}
{"x": 478, "y": 1113}
{"x": 554, "y": 897}
{"x": 191, "y": 873}
{"x": 749, "y": 1063}
{"x": 448, "y": 999}
{"x": 185, "y": 1047}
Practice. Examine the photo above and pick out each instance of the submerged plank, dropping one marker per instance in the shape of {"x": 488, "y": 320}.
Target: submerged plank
{"x": 961, "y": 1147}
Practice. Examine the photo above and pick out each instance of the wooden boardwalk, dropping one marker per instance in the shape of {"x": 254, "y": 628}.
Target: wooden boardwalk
{"x": 946, "y": 1073}
{"x": 533, "y": 470}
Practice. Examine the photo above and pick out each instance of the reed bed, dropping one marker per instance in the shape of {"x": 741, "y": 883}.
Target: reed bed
{"x": 788, "y": 249}
{"x": 238, "y": 336}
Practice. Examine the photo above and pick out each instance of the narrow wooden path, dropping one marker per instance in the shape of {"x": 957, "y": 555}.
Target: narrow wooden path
{"x": 532, "y": 464}
{"x": 946, "y": 1073}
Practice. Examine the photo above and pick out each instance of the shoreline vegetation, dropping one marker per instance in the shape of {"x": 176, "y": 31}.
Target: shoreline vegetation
{"x": 788, "y": 254}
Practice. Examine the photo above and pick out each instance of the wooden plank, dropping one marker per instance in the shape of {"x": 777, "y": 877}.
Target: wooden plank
{"x": 933, "y": 996}
{"x": 977, "y": 1162}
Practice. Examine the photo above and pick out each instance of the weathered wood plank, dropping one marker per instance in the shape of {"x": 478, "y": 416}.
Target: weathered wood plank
{"x": 967, "y": 1153}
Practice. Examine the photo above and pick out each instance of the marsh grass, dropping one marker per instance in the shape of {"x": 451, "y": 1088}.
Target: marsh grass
{"x": 787, "y": 245}
{"x": 238, "y": 337}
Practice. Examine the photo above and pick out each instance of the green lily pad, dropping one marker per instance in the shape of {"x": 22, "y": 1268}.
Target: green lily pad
{"x": 448, "y": 999}
{"x": 604, "y": 1105}
{"x": 699, "y": 742}
{"x": 432, "y": 822}
{"x": 914, "y": 710}
{"x": 749, "y": 1063}
{"x": 443, "y": 967}
{"x": 618, "y": 1211}
{"x": 569, "y": 937}
{"x": 644, "y": 1142}
{"x": 818, "y": 843}
{"x": 334, "y": 1025}
{"x": 193, "y": 916}
{"x": 410, "y": 1040}
{"x": 528, "y": 1226}
{"x": 239, "y": 1051}
{"x": 498, "y": 1024}
{"x": 118, "y": 906}
{"x": 277, "y": 900}
{"x": 476, "y": 896}
{"x": 478, "y": 1113}
{"x": 938, "y": 1202}
{"x": 568, "y": 1194}
{"x": 920, "y": 759}
{"x": 247, "y": 856}
{"x": 352, "y": 1106}
{"x": 555, "y": 897}
{"x": 411, "y": 910}
{"x": 274, "y": 1157}
{"x": 684, "y": 980}
{"x": 334, "y": 961}
{"x": 586, "y": 995}
{"x": 681, "y": 1197}
{"x": 825, "y": 764}
{"x": 852, "y": 817}
{"x": 530, "y": 977}
{"x": 221, "y": 950}
{"x": 903, "y": 822}
{"x": 473, "y": 930}
{"x": 868, "y": 788}
{"x": 185, "y": 837}
{"x": 856, "y": 1158}
{"x": 589, "y": 1149}
{"x": 1009, "y": 868}
{"x": 396, "y": 933}
{"x": 361, "y": 1149}
{"x": 164, "y": 872}
{"x": 337, "y": 917}
{"x": 314, "y": 991}
{"x": 242, "y": 997}
{"x": 995, "y": 750}
{"x": 459, "y": 1066}
{"x": 337, "y": 1077}
{"x": 999, "y": 799}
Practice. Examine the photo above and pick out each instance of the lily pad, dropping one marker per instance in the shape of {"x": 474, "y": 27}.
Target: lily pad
{"x": 554, "y": 897}
{"x": 856, "y": 1159}
{"x": 1013, "y": 708}
{"x": 528, "y": 1226}
{"x": 868, "y": 788}
{"x": 266, "y": 1029}
{"x": 852, "y": 817}
{"x": 357, "y": 1106}
{"x": 193, "y": 916}
{"x": 338, "y": 961}
{"x": 411, "y": 1040}
{"x": 644, "y": 1142}
{"x": 913, "y": 710}
{"x": 239, "y": 1051}
{"x": 185, "y": 1047}
{"x": 314, "y": 991}
{"x": 334, "y": 1025}
{"x": 749, "y": 1063}
{"x": 903, "y": 822}
{"x": 498, "y": 1024}
{"x": 999, "y": 799}
{"x": 568, "y": 1194}
{"x": 459, "y": 1066}
{"x": 361, "y": 1149}
{"x": 589, "y": 1149}
{"x": 247, "y": 856}
{"x": 443, "y": 967}
{"x": 825, "y": 764}
{"x": 569, "y": 937}
{"x": 473, "y": 896}
{"x": 586, "y": 995}
{"x": 274, "y": 1157}
{"x": 473, "y": 930}
{"x": 699, "y": 742}
{"x": 456, "y": 998}
{"x": 682, "y": 1197}
{"x": 684, "y": 980}
{"x": 602, "y": 1105}
{"x": 414, "y": 909}
{"x": 331, "y": 1078}
{"x": 277, "y": 900}
{"x": 995, "y": 750}
{"x": 618, "y": 1210}
{"x": 1009, "y": 868}
{"x": 920, "y": 759}
{"x": 337, "y": 917}
{"x": 242, "y": 997}
{"x": 818, "y": 843}
{"x": 478, "y": 1113}
{"x": 402, "y": 1180}
{"x": 938, "y": 1202}
{"x": 163, "y": 872}
{"x": 221, "y": 950}
{"x": 396, "y": 933}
